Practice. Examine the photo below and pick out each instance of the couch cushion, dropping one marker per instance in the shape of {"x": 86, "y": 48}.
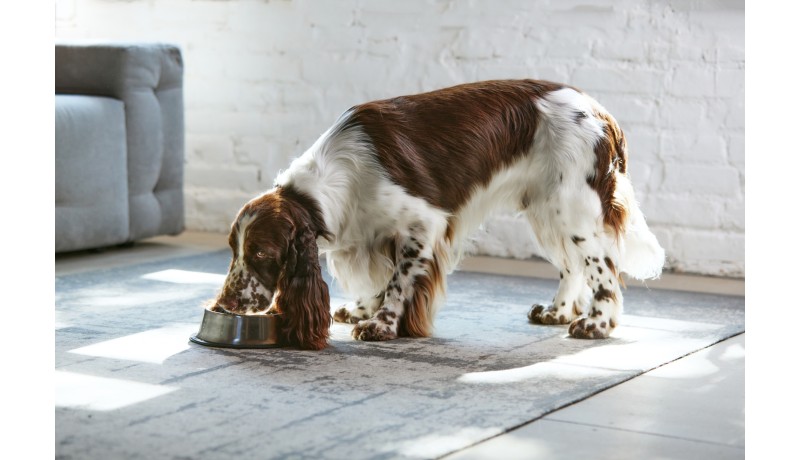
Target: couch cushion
{"x": 148, "y": 78}
{"x": 91, "y": 186}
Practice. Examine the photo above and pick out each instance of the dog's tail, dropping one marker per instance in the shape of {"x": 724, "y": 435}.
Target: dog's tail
{"x": 642, "y": 255}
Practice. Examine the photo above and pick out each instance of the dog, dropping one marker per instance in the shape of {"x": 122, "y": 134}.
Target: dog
{"x": 392, "y": 191}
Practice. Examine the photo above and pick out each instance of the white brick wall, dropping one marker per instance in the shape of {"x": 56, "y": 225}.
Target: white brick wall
{"x": 265, "y": 78}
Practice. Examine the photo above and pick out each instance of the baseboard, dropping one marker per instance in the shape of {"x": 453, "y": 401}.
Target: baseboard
{"x": 542, "y": 269}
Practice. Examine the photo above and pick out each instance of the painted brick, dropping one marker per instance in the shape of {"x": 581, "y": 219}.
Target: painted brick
{"x": 734, "y": 116}
{"x": 684, "y": 113}
{"x": 643, "y": 148}
{"x": 629, "y": 110}
{"x": 596, "y": 16}
{"x": 213, "y": 211}
{"x": 498, "y": 230}
{"x": 736, "y": 150}
{"x": 629, "y": 49}
{"x": 264, "y": 79}
{"x": 569, "y": 46}
{"x": 711, "y": 181}
{"x": 683, "y": 211}
{"x": 618, "y": 80}
{"x": 693, "y": 247}
{"x": 236, "y": 178}
{"x": 644, "y": 177}
{"x": 208, "y": 149}
{"x": 692, "y": 81}
{"x": 643, "y": 144}
{"x": 730, "y": 52}
{"x": 693, "y": 147}
{"x": 730, "y": 83}
{"x": 678, "y": 52}
{"x": 473, "y": 45}
{"x": 733, "y": 216}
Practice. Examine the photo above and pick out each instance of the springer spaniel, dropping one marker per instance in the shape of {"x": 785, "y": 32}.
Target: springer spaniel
{"x": 391, "y": 191}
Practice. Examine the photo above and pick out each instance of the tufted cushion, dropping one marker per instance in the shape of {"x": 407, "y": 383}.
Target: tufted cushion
{"x": 148, "y": 79}
{"x": 91, "y": 190}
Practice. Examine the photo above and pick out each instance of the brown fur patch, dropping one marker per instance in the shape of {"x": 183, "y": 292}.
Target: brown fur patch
{"x": 613, "y": 268}
{"x": 576, "y": 309}
{"x": 604, "y": 294}
{"x": 611, "y": 157}
{"x": 303, "y": 296}
{"x": 440, "y": 145}
{"x": 610, "y": 265}
{"x": 417, "y": 319}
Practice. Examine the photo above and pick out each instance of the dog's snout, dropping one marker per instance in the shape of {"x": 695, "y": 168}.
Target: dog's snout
{"x": 244, "y": 294}
{"x": 229, "y": 304}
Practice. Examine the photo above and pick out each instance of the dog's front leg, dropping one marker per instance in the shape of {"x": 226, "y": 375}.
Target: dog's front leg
{"x": 364, "y": 308}
{"x": 412, "y": 264}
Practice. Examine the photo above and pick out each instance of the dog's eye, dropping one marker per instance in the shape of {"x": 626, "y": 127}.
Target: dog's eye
{"x": 261, "y": 255}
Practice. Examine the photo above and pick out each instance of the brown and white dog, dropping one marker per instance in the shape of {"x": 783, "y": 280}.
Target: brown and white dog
{"x": 391, "y": 191}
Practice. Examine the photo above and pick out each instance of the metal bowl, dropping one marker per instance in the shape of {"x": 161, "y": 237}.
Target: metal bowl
{"x": 238, "y": 331}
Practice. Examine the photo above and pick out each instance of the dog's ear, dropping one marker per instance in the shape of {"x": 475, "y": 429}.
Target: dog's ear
{"x": 303, "y": 295}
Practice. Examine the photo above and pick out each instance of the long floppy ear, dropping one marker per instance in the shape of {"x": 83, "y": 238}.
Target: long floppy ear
{"x": 303, "y": 295}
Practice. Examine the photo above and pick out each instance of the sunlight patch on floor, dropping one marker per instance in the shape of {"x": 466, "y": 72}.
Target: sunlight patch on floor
{"x": 436, "y": 445}
{"x": 703, "y": 365}
{"x": 664, "y": 324}
{"x": 733, "y": 352}
{"x": 510, "y": 446}
{"x": 81, "y": 391}
{"x": 538, "y": 371}
{"x": 153, "y": 346}
{"x": 632, "y": 348}
{"x": 102, "y": 300}
{"x": 185, "y": 277}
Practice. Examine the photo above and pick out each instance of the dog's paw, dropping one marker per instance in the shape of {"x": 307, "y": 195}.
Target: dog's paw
{"x": 349, "y": 315}
{"x": 590, "y": 328}
{"x": 540, "y": 314}
{"x": 373, "y": 330}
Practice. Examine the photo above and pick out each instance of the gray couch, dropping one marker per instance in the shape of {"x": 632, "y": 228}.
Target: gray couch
{"x": 119, "y": 144}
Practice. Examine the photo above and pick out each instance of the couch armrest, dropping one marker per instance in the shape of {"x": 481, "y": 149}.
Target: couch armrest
{"x": 114, "y": 70}
{"x": 148, "y": 78}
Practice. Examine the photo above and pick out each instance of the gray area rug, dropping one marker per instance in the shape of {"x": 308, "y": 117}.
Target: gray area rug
{"x": 130, "y": 385}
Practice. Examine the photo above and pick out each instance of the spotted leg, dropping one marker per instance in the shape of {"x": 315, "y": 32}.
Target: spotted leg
{"x": 364, "y": 308}
{"x": 568, "y": 302}
{"x": 589, "y": 297}
{"x": 409, "y": 296}
{"x": 606, "y": 303}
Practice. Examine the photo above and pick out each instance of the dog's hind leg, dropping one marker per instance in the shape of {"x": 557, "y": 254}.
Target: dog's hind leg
{"x": 606, "y": 301}
{"x": 579, "y": 207}
{"x": 589, "y": 296}
{"x": 560, "y": 247}
{"x": 568, "y": 303}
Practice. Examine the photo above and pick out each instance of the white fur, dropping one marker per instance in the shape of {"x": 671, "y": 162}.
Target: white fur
{"x": 361, "y": 206}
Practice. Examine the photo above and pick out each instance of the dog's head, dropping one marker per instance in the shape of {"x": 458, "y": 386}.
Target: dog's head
{"x": 275, "y": 266}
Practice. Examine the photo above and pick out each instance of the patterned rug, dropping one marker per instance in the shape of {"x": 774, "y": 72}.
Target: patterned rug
{"x": 129, "y": 384}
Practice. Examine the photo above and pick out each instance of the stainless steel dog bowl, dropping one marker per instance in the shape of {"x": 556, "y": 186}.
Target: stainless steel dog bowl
{"x": 238, "y": 331}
